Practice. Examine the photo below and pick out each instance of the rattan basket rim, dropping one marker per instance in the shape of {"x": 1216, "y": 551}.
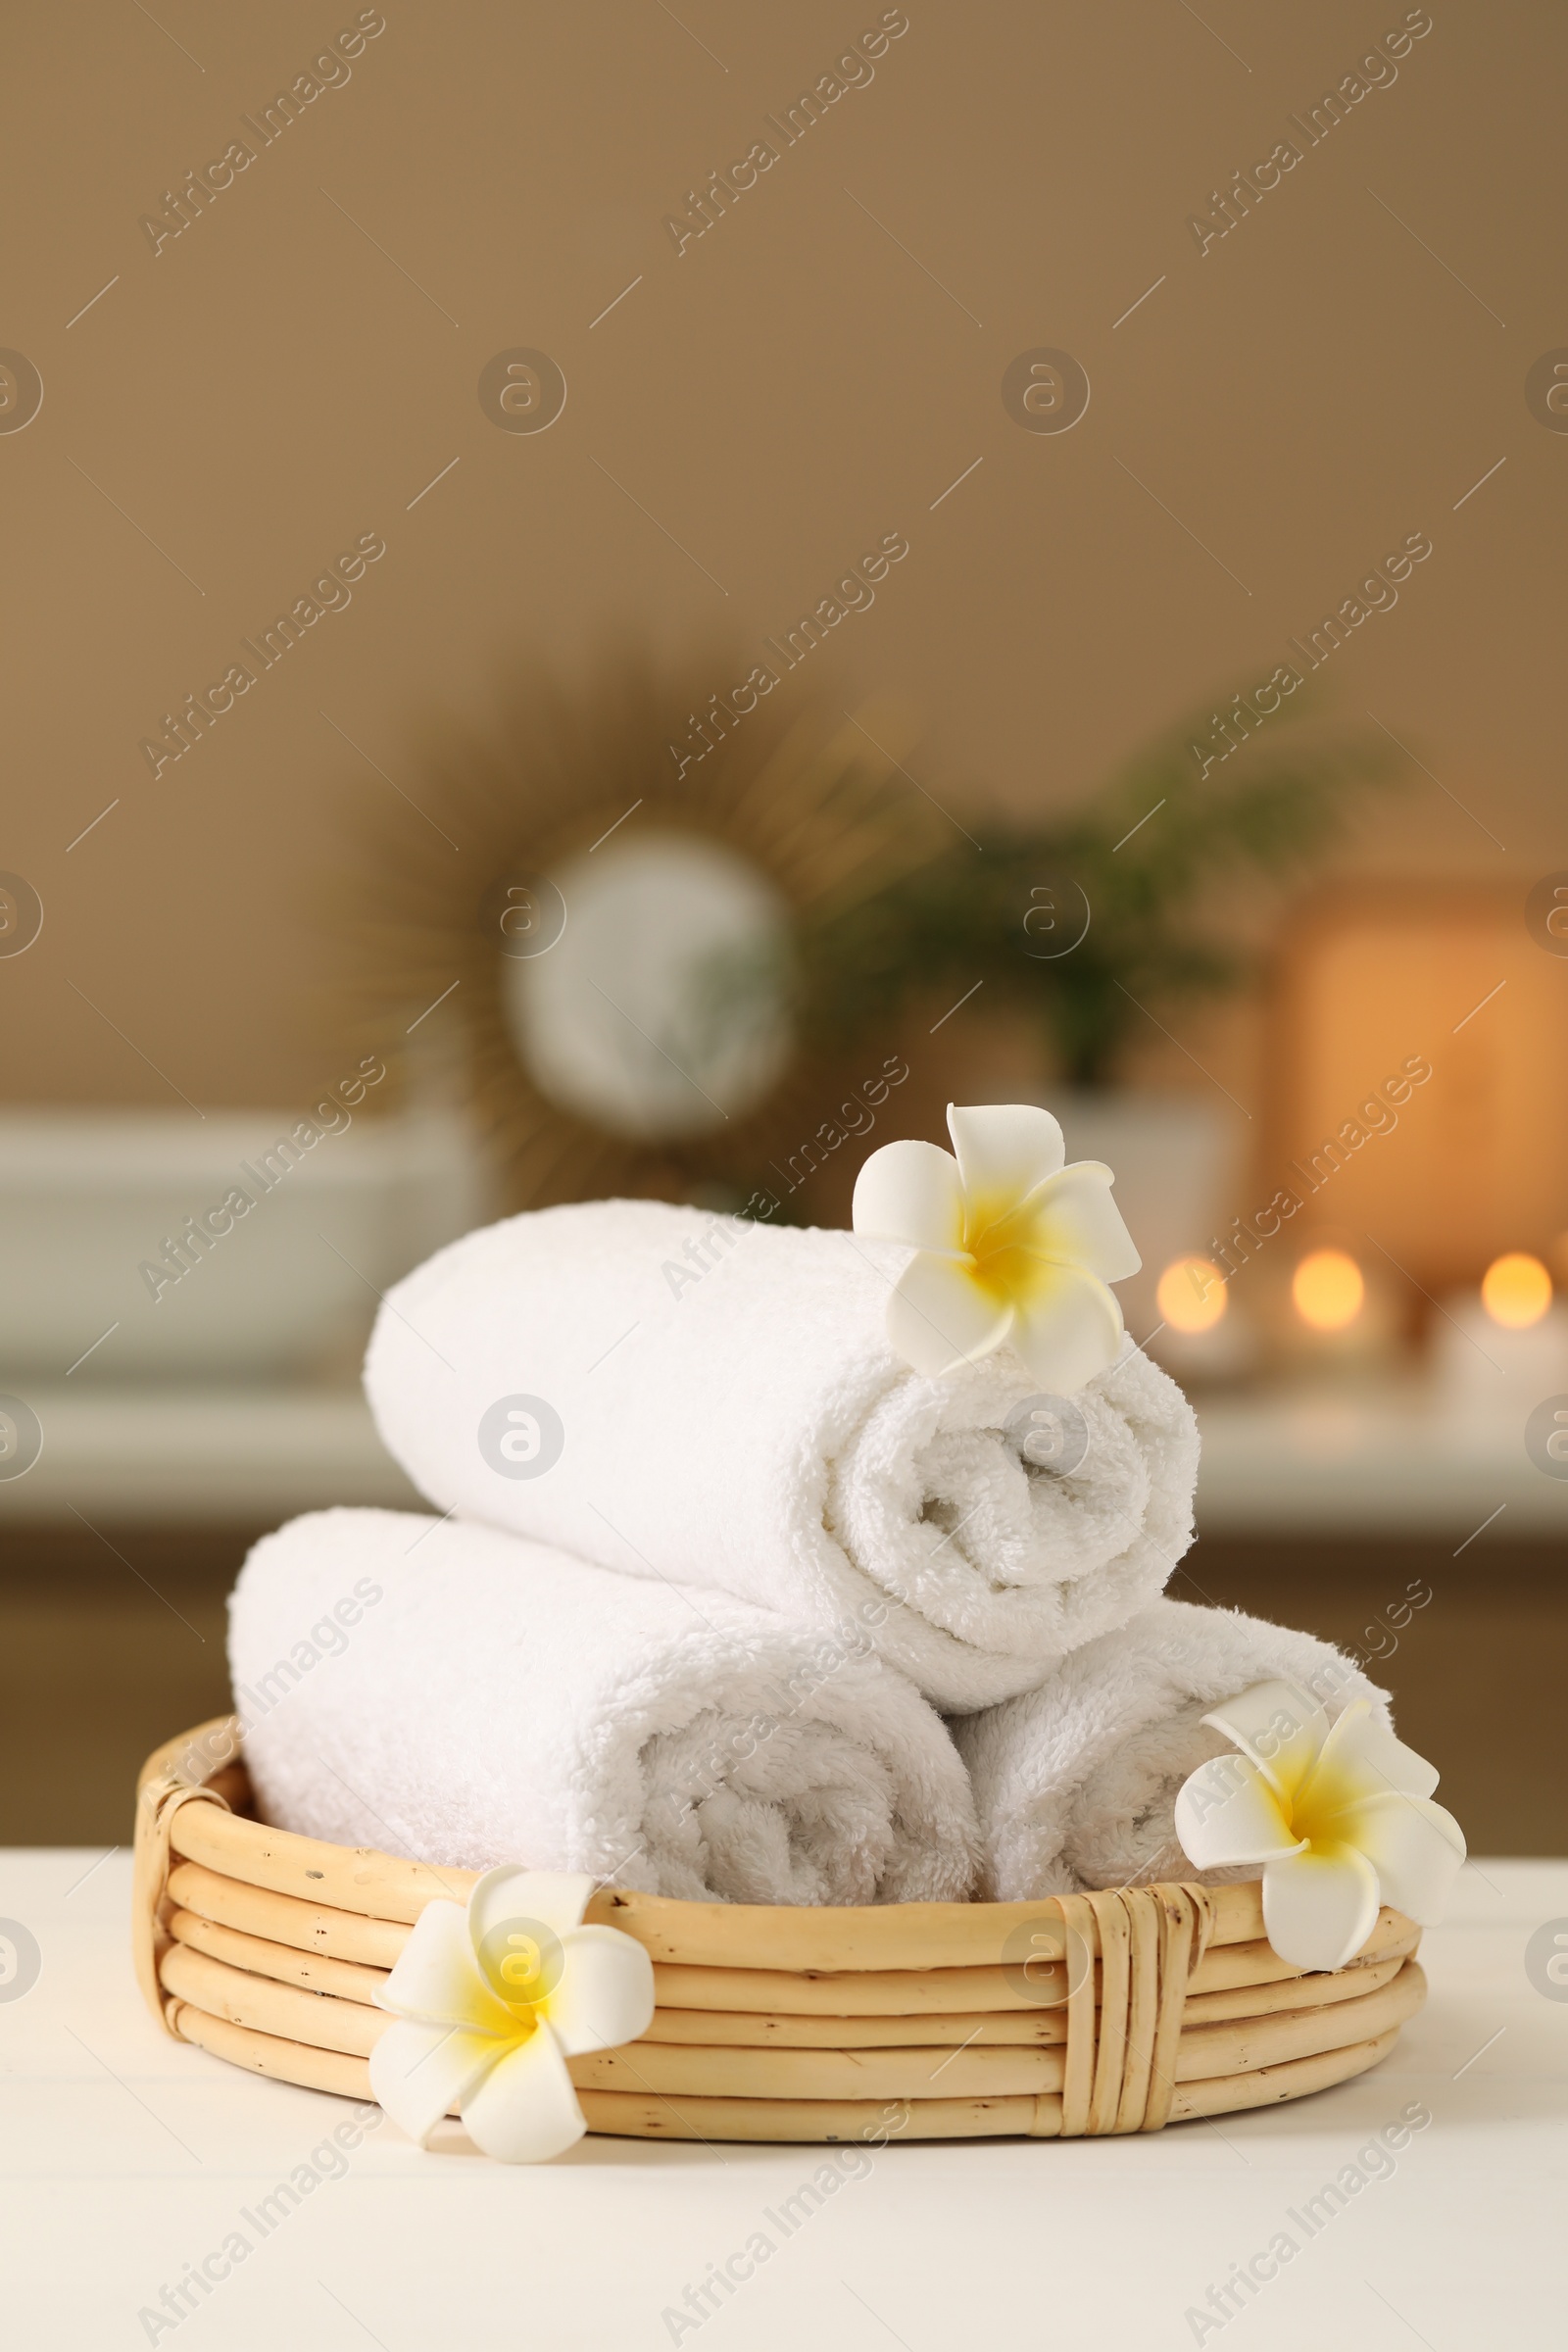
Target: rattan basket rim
{"x": 1066, "y": 2015}
{"x": 804, "y": 1936}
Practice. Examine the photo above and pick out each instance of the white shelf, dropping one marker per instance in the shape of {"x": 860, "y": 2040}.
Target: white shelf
{"x": 1302, "y": 1465}
{"x": 1396, "y": 1463}
{"x": 202, "y": 1454}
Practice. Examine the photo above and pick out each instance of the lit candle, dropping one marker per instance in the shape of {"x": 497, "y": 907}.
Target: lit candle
{"x": 1198, "y": 1331}
{"x": 1504, "y": 1349}
{"x": 1328, "y": 1291}
{"x": 1516, "y": 1291}
{"x": 1191, "y": 1296}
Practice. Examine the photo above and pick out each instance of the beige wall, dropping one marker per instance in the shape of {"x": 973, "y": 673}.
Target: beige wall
{"x": 242, "y": 404}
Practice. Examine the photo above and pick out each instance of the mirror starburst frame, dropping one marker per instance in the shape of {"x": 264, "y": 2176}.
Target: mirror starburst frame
{"x": 454, "y": 884}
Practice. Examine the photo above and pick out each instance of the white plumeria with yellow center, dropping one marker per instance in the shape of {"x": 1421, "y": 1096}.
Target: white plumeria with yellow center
{"x": 1011, "y": 1243}
{"x": 491, "y": 2000}
{"x": 1339, "y": 1815}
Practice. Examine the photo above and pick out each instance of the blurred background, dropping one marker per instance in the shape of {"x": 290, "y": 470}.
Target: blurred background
{"x": 617, "y": 600}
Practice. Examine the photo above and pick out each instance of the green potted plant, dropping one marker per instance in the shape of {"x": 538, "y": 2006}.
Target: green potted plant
{"x": 1102, "y": 924}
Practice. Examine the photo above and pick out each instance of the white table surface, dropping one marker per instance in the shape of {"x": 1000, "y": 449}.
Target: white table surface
{"x": 129, "y": 2156}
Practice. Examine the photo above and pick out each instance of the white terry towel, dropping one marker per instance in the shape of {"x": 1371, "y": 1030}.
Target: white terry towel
{"x": 1075, "y": 1783}
{"x": 454, "y": 1694}
{"x": 722, "y": 1403}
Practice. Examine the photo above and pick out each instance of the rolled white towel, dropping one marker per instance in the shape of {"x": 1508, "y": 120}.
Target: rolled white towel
{"x": 455, "y": 1694}
{"x": 695, "y": 1396}
{"x": 1075, "y": 1783}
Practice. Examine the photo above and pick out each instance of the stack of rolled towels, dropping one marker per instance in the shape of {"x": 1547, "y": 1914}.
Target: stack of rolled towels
{"x": 719, "y": 1600}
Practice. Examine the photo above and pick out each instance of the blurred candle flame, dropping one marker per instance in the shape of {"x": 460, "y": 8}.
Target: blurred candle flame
{"x": 1191, "y": 1295}
{"x": 1516, "y": 1290}
{"x": 1328, "y": 1290}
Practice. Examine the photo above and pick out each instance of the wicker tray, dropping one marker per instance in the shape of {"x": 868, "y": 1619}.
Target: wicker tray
{"x": 1116, "y": 2012}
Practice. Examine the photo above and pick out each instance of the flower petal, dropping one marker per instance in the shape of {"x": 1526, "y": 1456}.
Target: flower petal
{"x": 1077, "y": 1221}
{"x": 525, "y": 2110}
{"x": 516, "y": 1921}
{"x": 1280, "y": 1726}
{"x": 437, "y": 1979}
{"x": 1067, "y": 1328}
{"x": 1416, "y": 1848}
{"x": 557, "y": 1899}
{"x": 420, "y": 2071}
{"x": 1227, "y": 1813}
{"x": 1004, "y": 1148}
{"x": 938, "y": 1316}
{"x": 1320, "y": 1907}
{"x": 606, "y": 1993}
{"x": 910, "y": 1192}
{"x": 1361, "y": 1757}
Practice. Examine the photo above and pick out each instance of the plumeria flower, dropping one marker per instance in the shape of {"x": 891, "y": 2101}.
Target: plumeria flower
{"x": 1010, "y": 1245}
{"x": 1340, "y": 1816}
{"x": 490, "y": 2003}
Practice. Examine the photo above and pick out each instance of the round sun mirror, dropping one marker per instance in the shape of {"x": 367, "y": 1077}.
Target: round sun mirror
{"x": 661, "y": 1008}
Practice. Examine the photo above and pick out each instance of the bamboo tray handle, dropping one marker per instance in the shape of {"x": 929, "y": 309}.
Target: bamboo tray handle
{"x": 159, "y": 1799}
